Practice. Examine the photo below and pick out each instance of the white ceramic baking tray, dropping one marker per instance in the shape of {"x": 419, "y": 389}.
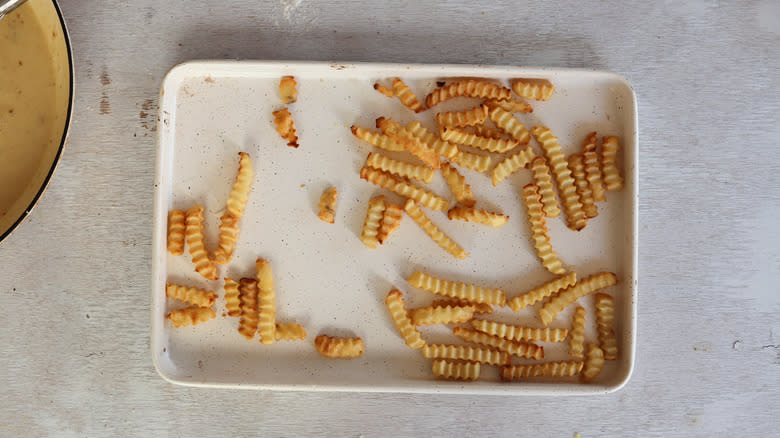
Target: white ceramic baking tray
{"x": 325, "y": 277}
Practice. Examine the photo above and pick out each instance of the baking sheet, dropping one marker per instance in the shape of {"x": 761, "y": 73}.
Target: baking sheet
{"x": 325, "y": 278}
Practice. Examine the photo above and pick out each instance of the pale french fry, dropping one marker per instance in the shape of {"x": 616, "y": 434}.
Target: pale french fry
{"x": 391, "y": 220}
{"x": 543, "y": 180}
{"x": 191, "y": 316}
{"x": 456, "y": 370}
{"x": 539, "y": 235}
{"x": 519, "y": 333}
{"x": 287, "y": 90}
{"x": 266, "y": 302}
{"x": 594, "y": 360}
{"x": 289, "y": 331}
{"x": 509, "y": 124}
{"x": 405, "y": 95}
{"x": 577, "y": 338}
{"x": 442, "y": 148}
{"x": 369, "y": 233}
{"x": 239, "y": 194}
{"x": 478, "y": 307}
{"x": 520, "y": 349}
{"x": 191, "y": 295}
{"x": 339, "y": 348}
{"x": 399, "y": 168}
{"x": 483, "y": 217}
{"x": 488, "y": 144}
{"x": 176, "y": 226}
{"x": 411, "y": 143}
{"x": 575, "y": 215}
{"x": 537, "y": 89}
{"x": 327, "y": 205}
{"x": 605, "y": 324}
{"x": 577, "y": 167}
{"x": 609, "y": 150}
{"x": 592, "y": 168}
{"x": 286, "y": 127}
{"x": 438, "y": 236}
{"x": 441, "y": 314}
{"x": 395, "y": 305}
{"x": 486, "y": 131}
{"x": 470, "y": 117}
{"x": 247, "y": 290}
{"x": 228, "y": 236}
{"x": 548, "y": 369}
{"x": 468, "y": 88}
{"x": 480, "y": 163}
{"x": 567, "y": 296}
{"x": 194, "y": 235}
{"x": 512, "y": 165}
{"x": 465, "y": 352}
{"x": 511, "y": 106}
{"x": 377, "y": 139}
{"x": 540, "y": 293}
{"x": 387, "y": 181}
{"x": 459, "y": 290}
{"x": 384, "y": 90}
{"x": 232, "y": 300}
{"x": 457, "y": 184}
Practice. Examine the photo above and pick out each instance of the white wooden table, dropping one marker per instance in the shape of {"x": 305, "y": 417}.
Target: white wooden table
{"x": 74, "y": 279}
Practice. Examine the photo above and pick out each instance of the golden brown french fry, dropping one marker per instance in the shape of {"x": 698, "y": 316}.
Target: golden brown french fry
{"x": 483, "y": 217}
{"x": 442, "y": 148}
{"x": 509, "y": 124}
{"x": 575, "y": 215}
{"x": 605, "y": 324}
{"x": 465, "y": 352}
{"x": 512, "y": 165}
{"x": 511, "y": 106}
{"x": 480, "y": 163}
{"x": 176, "y": 226}
{"x": 411, "y": 143}
{"x": 456, "y": 370}
{"x": 289, "y": 331}
{"x": 548, "y": 369}
{"x": 519, "y": 333}
{"x": 541, "y": 239}
{"x": 247, "y": 290}
{"x": 468, "y": 88}
{"x": 609, "y": 150}
{"x": 286, "y": 127}
{"x": 594, "y": 360}
{"x": 377, "y": 139}
{"x": 538, "y": 294}
{"x": 339, "y": 348}
{"x": 543, "y": 180}
{"x": 391, "y": 220}
{"x": 384, "y": 90}
{"x": 459, "y": 290}
{"x": 537, "y": 89}
{"x": 577, "y": 167}
{"x": 489, "y": 144}
{"x": 191, "y": 295}
{"x": 399, "y": 168}
{"x": 592, "y": 168}
{"x": 370, "y": 231}
{"x": 228, "y": 236}
{"x": 486, "y": 131}
{"x": 388, "y": 181}
{"x": 470, "y": 117}
{"x": 442, "y": 314}
{"x": 327, "y": 205}
{"x": 266, "y": 302}
{"x": 191, "y": 316}
{"x": 395, "y": 305}
{"x": 239, "y": 194}
{"x": 287, "y": 90}
{"x": 194, "y": 235}
{"x": 405, "y": 95}
{"x": 478, "y": 307}
{"x": 521, "y": 349}
{"x": 567, "y": 296}
{"x": 457, "y": 184}
{"x": 577, "y": 338}
{"x": 441, "y": 239}
{"x": 232, "y": 300}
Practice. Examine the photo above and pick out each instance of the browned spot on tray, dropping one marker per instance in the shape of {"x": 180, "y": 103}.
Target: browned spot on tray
{"x": 148, "y": 104}
{"x": 105, "y": 105}
{"x": 105, "y": 79}
{"x": 209, "y": 79}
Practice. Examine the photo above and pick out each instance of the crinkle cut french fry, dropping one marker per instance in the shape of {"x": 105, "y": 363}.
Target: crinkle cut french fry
{"x": 191, "y": 316}
{"x": 377, "y": 139}
{"x": 399, "y": 168}
{"x": 194, "y": 235}
{"x": 411, "y": 143}
{"x": 508, "y": 123}
{"x": 287, "y": 90}
{"x": 467, "y": 88}
{"x": 519, "y": 333}
{"x": 486, "y": 131}
{"x": 391, "y": 220}
{"x": 575, "y": 215}
{"x": 339, "y": 348}
{"x": 593, "y": 168}
{"x": 327, "y": 205}
{"x": 395, "y": 305}
{"x": 488, "y": 144}
{"x": 228, "y": 236}
{"x": 470, "y": 117}
{"x": 239, "y": 195}
{"x": 266, "y": 302}
{"x": 605, "y": 324}
{"x": 369, "y": 233}
{"x": 548, "y": 369}
{"x": 539, "y": 235}
{"x": 232, "y": 300}
{"x": 520, "y": 349}
{"x": 480, "y": 163}
{"x": 438, "y": 236}
{"x": 510, "y": 106}
{"x": 442, "y": 148}
{"x": 538, "y": 294}
{"x": 247, "y": 325}
{"x": 609, "y": 150}
{"x": 512, "y": 165}
{"x": 289, "y": 331}
{"x": 455, "y": 370}
{"x": 594, "y": 360}
{"x": 384, "y": 90}
{"x": 388, "y": 181}
{"x": 405, "y": 95}
{"x": 458, "y": 185}
{"x": 285, "y": 126}
{"x": 577, "y": 337}
{"x": 577, "y": 167}
{"x": 541, "y": 173}
{"x": 465, "y": 352}
{"x": 191, "y": 295}
{"x": 458, "y": 290}
{"x": 478, "y": 307}
{"x": 176, "y": 232}
{"x": 567, "y": 296}
{"x": 483, "y": 217}
{"x": 537, "y": 89}
{"x": 442, "y": 314}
